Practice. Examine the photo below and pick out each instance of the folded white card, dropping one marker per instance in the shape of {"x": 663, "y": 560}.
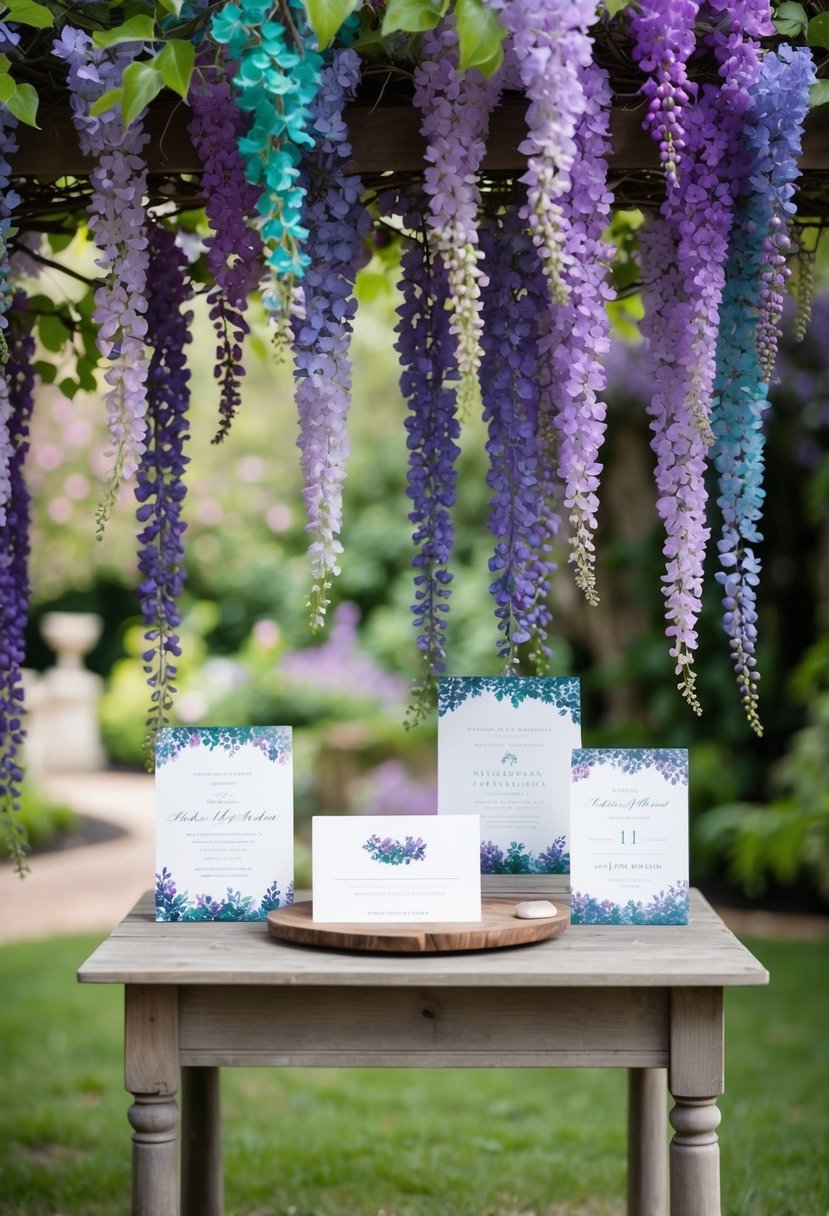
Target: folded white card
{"x": 504, "y": 745}
{"x": 629, "y": 834}
{"x": 224, "y": 822}
{"x": 388, "y": 869}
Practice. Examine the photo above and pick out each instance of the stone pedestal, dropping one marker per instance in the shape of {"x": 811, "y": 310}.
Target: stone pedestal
{"x": 69, "y": 696}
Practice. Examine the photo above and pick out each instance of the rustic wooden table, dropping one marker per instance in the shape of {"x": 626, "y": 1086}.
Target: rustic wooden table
{"x": 202, "y": 996}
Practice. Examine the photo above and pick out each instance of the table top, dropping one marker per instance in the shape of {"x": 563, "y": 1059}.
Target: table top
{"x": 702, "y": 954}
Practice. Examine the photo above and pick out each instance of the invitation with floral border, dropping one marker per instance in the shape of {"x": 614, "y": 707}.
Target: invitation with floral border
{"x": 629, "y": 835}
{"x": 504, "y": 745}
{"x": 224, "y": 822}
{"x": 390, "y": 869}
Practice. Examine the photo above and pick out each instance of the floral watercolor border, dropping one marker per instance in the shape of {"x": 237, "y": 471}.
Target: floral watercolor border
{"x": 174, "y": 905}
{"x": 666, "y": 907}
{"x": 395, "y": 852}
{"x": 273, "y": 741}
{"x": 560, "y": 692}
{"x": 517, "y": 860}
{"x": 671, "y": 762}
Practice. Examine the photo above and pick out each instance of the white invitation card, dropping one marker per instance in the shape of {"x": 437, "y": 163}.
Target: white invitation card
{"x": 386, "y": 869}
{"x": 504, "y": 745}
{"x": 629, "y": 834}
{"x": 224, "y": 822}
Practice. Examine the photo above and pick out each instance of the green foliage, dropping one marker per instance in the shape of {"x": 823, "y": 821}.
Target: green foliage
{"x": 790, "y": 19}
{"x": 42, "y": 819}
{"x": 326, "y": 16}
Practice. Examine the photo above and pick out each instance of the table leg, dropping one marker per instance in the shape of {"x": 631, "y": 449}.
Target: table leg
{"x": 647, "y": 1142}
{"x": 696, "y": 1081}
{"x": 151, "y": 1076}
{"x": 201, "y": 1147}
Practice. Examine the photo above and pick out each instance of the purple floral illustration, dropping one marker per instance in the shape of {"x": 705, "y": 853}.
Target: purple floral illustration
{"x": 555, "y": 859}
{"x": 671, "y": 762}
{"x": 273, "y": 741}
{"x": 393, "y": 852}
{"x": 665, "y": 908}
{"x": 174, "y": 905}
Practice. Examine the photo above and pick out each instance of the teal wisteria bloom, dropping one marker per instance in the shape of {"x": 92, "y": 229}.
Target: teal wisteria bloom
{"x": 779, "y": 103}
{"x": 276, "y": 81}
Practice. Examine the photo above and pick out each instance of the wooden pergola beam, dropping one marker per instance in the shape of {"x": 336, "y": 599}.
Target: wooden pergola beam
{"x": 384, "y": 138}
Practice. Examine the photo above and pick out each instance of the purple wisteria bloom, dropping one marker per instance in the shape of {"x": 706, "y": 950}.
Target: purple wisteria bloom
{"x": 14, "y": 588}
{"x": 456, "y": 107}
{"x": 514, "y": 297}
{"x": 117, "y": 222}
{"x": 161, "y": 487}
{"x": 428, "y": 378}
{"x": 234, "y": 247}
{"x": 338, "y": 223}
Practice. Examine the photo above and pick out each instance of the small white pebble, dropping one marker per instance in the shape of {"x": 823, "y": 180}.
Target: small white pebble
{"x": 535, "y": 909}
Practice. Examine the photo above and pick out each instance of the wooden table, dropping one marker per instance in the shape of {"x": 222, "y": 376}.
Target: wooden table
{"x": 202, "y": 996}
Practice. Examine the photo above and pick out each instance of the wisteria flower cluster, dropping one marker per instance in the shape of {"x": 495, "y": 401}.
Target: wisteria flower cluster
{"x": 8, "y": 202}
{"x": 456, "y": 107}
{"x": 337, "y": 224}
{"x": 116, "y": 220}
{"x": 234, "y": 247}
{"x": 276, "y": 81}
{"x": 160, "y": 485}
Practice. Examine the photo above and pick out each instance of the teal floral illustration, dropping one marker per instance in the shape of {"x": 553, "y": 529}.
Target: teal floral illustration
{"x": 509, "y": 758}
{"x": 560, "y": 692}
{"x": 273, "y": 741}
{"x": 174, "y": 905}
{"x": 516, "y": 860}
{"x": 671, "y": 762}
{"x": 394, "y": 852}
{"x": 666, "y": 908}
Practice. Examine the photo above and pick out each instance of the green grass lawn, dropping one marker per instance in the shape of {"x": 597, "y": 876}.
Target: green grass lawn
{"x": 404, "y": 1143}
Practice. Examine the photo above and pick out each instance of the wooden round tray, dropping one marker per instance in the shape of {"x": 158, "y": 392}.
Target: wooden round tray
{"x": 499, "y": 926}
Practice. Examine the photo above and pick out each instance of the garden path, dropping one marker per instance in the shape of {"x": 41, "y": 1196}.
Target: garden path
{"x": 89, "y": 885}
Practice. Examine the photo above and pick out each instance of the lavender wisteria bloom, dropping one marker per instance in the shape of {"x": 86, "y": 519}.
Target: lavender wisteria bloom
{"x": 579, "y": 334}
{"x": 117, "y": 222}
{"x": 234, "y": 248}
{"x": 455, "y": 108}
{"x": 428, "y": 377}
{"x": 663, "y": 41}
{"x": 160, "y": 487}
{"x": 779, "y": 104}
{"x": 679, "y": 447}
{"x": 550, "y": 45}
{"x": 14, "y": 590}
{"x": 514, "y": 297}
{"x": 337, "y": 223}
{"x": 8, "y": 202}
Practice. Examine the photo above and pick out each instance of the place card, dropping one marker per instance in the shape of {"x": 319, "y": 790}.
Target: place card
{"x": 504, "y": 745}
{"x": 224, "y": 822}
{"x": 385, "y": 869}
{"x": 629, "y": 836}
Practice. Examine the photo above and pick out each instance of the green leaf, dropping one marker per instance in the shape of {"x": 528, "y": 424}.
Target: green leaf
{"x": 58, "y": 241}
{"x": 53, "y": 331}
{"x": 411, "y": 16}
{"x": 817, "y": 33}
{"x": 45, "y": 372}
{"x": 23, "y": 104}
{"x": 69, "y": 387}
{"x": 141, "y": 83}
{"x": 819, "y": 93}
{"x": 138, "y": 29}
{"x": 106, "y": 101}
{"x": 7, "y": 87}
{"x": 481, "y": 36}
{"x": 790, "y": 19}
{"x": 27, "y": 12}
{"x": 326, "y": 16}
{"x": 175, "y": 63}
{"x": 172, "y": 6}
{"x": 612, "y": 7}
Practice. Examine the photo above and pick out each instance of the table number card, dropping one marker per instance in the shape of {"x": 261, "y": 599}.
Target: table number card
{"x": 388, "y": 869}
{"x": 504, "y": 745}
{"x": 224, "y": 822}
{"x": 629, "y": 833}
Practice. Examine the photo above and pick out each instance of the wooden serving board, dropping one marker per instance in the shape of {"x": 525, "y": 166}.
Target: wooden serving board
{"x": 499, "y": 926}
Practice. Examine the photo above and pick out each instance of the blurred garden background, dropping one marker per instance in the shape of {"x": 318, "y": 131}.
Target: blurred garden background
{"x": 760, "y": 807}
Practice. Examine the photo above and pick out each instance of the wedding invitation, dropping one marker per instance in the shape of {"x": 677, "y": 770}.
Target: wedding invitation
{"x": 504, "y": 745}
{"x": 629, "y": 835}
{"x": 224, "y": 822}
{"x": 384, "y": 869}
